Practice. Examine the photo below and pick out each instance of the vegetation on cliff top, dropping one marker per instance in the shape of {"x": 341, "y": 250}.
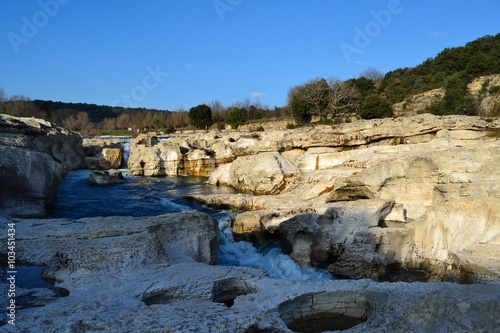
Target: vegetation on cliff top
{"x": 368, "y": 96}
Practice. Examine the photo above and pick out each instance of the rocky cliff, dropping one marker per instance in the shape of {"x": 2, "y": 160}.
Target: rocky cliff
{"x": 415, "y": 193}
{"x": 35, "y": 155}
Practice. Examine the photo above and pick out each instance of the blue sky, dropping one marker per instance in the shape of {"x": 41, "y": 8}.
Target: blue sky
{"x": 167, "y": 54}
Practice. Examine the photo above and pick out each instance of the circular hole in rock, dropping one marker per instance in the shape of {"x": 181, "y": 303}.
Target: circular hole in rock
{"x": 329, "y": 311}
{"x": 225, "y": 291}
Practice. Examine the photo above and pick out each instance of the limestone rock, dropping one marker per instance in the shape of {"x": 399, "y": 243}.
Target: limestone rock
{"x": 148, "y": 278}
{"x": 418, "y": 103}
{"x": 94, "y": 146}
{"x": 265, "y": 173}
{"x": 152, "y": 157}
{"x": 116, "y": 243}
{"x": 35, "y": 158}
{"x": 106, "y": 177}
{"x": 322, "y": 239}
{"x": 103, "y": 154}
{"x": 440, "y": 178}
{"x": 28, "y": 180}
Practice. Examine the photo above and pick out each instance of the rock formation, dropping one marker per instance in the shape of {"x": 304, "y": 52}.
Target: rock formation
{"x": 109, "y": 177}
{"x": 152, "y": 274}
{"x": 419, "y": 103}
{"x": 415, "y": 193}
{"x": 486, "y": 89}
{"x": 151, "y": 157}
{"x": 264, "y": 173}
{"x": 103, "y": 154}
{"x": 35, "y": 157}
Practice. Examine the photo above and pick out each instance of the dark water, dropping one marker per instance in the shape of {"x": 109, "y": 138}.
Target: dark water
{"x": 147, "y": 196}
{"x": 138, "y": 196}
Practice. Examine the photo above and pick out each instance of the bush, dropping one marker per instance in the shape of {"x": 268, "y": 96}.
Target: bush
{"x": 235, "y": 118}
{"x": 375, "y": 106}
{"x": 326, "y": 121}
{"x": 200, "y": 116}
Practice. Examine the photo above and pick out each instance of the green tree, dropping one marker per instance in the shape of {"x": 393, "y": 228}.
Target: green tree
{"x": 375, "y": 106}
{"x": 200, "y": 116}
{"x": 300, "y": 111}
{"x": 236, "y": 117}
{"x": 365, "y": 86}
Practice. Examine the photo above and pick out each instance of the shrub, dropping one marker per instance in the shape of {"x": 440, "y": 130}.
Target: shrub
{"x": 375, "y": 106}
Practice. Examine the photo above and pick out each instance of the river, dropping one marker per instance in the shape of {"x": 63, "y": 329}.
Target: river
{"x": 145, "y": 196}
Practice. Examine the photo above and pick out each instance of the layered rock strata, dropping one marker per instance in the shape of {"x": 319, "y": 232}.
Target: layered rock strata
{"x": 151, "y": 274}
{"x": 35, "y": 155}
{"x": 415, "y": 193}
{"x": 103, "y": 154}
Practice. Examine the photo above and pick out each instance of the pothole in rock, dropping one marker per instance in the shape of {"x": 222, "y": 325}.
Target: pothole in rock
{"x": 397, "y": 273}
{"x": 225, "y": 291}
{"x": 32, "y": 290}
{"x": 329, "y": 311}
{"x": 161, "y": 296}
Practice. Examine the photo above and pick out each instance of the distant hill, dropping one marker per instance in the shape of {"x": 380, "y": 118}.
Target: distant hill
{"x": 97, "y": 113}
{"x": 459, "y": 64}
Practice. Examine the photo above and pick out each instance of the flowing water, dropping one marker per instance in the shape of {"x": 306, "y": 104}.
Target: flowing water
{"x": 146, "y": 196}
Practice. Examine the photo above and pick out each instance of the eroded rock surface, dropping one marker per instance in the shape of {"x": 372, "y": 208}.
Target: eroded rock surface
{"x": 151, "y": 274}
{"x": 437, "y": 177}
{"x": 103, "y": 154}
{"x": 35, "y": 155}
{"x": 109, "y": 177}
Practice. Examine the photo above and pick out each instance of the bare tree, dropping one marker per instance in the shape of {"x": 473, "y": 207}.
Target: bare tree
{"x": 180, "y": 118}
{"x": 78, "y": 122}
{"x": 109, "y": 124}
{"x": 21, "y": 106}
{"x": 247, "y": 103}
{"x": 3, "y": 99}
{"x": 371, "y": 73}
{"x": 219, "y": 112}
{"x": 316, "y": 93}
{"x": 342, "y": 97}
{"x": 321, "y": 98}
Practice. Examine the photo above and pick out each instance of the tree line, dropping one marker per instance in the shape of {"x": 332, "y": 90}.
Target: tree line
{"x": 92, "y": 119}
{"x": 322, "y": 100}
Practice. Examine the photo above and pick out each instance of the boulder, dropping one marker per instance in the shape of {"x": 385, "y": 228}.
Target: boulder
{"x": 105, "y": 177}
{"x": 151, "y": 157}
{"x": 93, "y": 146}
{"x": 115, "y": 243}
{"x": 175, "y": 156}
{"x": 322, "y": 239}
{"x": 103, "y": 154}
{"x": 259, "y": 174}
{"x": 36, "y": 155}
{"x": 28, "y": 180}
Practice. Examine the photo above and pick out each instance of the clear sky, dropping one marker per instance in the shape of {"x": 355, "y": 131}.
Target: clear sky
{"x": 167, "y": 54}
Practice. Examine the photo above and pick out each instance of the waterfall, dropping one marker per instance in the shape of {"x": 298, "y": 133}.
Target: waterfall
{"x": 268, "y": 257}
{"x": 156, "y": 196}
